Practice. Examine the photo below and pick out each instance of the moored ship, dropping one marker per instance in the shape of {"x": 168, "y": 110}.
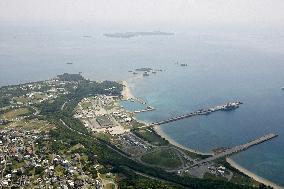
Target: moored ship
{"x": 231, "y": 106}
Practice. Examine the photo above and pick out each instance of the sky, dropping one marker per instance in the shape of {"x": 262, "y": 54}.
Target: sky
{"x": 143, "y": 12}
{"x": 133, "y": 11}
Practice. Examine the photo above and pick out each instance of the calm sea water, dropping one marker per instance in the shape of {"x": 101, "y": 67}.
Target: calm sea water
{"x": 222, "y": 68}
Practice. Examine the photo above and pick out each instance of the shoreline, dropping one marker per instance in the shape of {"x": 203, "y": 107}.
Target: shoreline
{"x": 253, "y": 175}
{"x": 229, "y": 160}
{"x": 127, "y": 94}
{"x": 160, "y": 132}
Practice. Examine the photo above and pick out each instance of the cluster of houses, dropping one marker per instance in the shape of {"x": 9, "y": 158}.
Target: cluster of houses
{"x": 87, "y": 112}
{"x": 24, "y": 164}
{"x": 40, "y": 92}
{"x": 122, "y": 116}
{"x": 16, "y": 157}
{"x": 3, "y": 122}
{"x": 31, "y": 86}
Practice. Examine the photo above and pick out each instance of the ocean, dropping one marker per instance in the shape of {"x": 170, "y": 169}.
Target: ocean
{"x": 222, "y": 67}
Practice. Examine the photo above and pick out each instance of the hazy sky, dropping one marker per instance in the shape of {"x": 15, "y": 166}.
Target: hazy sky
{"x": 261, "y": 12}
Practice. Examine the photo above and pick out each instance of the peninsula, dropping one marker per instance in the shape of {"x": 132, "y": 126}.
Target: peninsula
{"x": 72, "y": 132}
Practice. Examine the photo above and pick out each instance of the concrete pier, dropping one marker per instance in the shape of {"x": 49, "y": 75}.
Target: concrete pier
{"x": 234, "y": 150}
{"x": 226, "y": 107}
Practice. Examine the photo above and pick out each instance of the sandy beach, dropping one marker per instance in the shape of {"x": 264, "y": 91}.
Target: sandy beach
{"x": 252, "y": 175}
{"x": 229, "y": 160}
{"x": 126, "y": 93}
{"x": 160, "y": 132}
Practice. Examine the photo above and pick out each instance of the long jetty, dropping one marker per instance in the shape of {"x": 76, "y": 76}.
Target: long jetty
{"x": 234, "y": 150}
{"x": 226, "y": 107}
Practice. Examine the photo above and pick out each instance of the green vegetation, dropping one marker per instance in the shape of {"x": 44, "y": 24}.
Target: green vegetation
{"x": 33, "y": 124}
{"x": 4, "y": 101}
{"x": 16, "y": 112}
{"x": 163, "y": 157}
{"x": 195, "y": 156}
{"x": 140, "y": 182}
{"x": 70, "y": 77}
{"x": 21, "y": 99}
{"x": 213, "y": 177}
{"x": 151, "y": 136}
{"x": 86, "y": 105}
{"x": 238, "y": 177}
{"x": 8, "y": 92}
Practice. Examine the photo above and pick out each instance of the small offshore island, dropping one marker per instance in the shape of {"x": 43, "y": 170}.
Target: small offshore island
{"x": 70, "y": 132}
{"x": 146, "y": 71}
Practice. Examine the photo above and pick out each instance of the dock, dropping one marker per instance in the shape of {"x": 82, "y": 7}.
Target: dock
{"x": 234, "y": 150}
{"x": 226, "y": 107}
{"x": 148, "y": 109}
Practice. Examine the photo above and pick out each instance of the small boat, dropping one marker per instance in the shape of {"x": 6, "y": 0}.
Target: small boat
{"x": 69, "y": 63}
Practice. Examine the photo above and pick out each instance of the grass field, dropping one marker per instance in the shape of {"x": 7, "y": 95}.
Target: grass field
{"x": 21, "y": 99}
{"x": 15, "y": 113}
{"x": 34, "y": 124}
{"x": 151, "y": 137}
{"x": 86, "y": 105}
{"x": 35, "y": 99}
{"x": 166, "y": 158}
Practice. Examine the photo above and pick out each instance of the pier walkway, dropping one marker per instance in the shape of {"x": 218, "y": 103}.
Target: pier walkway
{"x": 226, "y": 107}
{"x": 232, "y": 150}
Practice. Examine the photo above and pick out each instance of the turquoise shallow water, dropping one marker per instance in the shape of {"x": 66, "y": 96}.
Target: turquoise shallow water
{"x": 132, "y": 106}
{"x": 221, "y": 68}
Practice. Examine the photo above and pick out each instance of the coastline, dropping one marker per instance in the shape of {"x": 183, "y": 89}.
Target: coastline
{"x": 127, "y": 94}
{"x": 160, "y": 132}
{"x": 252, "y": 175}
{"x": 229, "y": 160}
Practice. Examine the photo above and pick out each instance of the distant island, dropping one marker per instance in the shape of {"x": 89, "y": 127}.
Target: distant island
{"x": 136, "y": 34}
{"x": 143, "y": 69}
{"x": 146, "y": 71}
